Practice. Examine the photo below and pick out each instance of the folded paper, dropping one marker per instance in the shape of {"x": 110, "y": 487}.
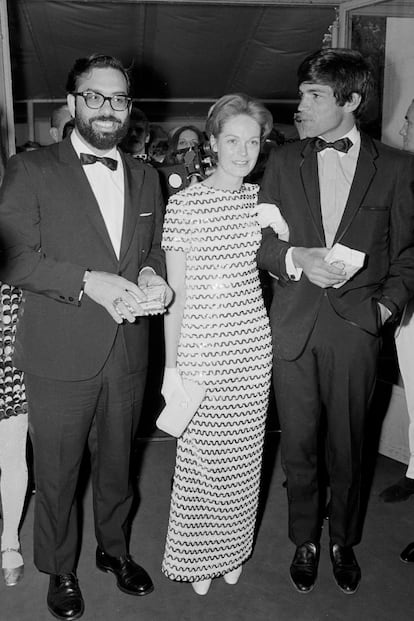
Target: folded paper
{"x": 349, "y": 260}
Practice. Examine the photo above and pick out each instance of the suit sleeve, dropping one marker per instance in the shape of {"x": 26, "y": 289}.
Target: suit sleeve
{"x": 22, "y": 262}
{"x": 271, "y": 255}
{"x": 398, "y": 287}
{"x": 156, "y": 256}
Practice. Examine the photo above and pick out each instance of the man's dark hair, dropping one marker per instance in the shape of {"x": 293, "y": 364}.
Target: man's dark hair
{"x": 345, "y": 71}
{"x": 96, "y": 61}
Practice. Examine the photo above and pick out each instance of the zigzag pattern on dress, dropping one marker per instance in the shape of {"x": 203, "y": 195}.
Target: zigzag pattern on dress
{"x": 12, "y": 390}
{"x": 225, "y": 342}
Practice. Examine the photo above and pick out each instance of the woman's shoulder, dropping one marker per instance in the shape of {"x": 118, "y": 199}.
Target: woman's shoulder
{"x": 189, "y": 194}
{"x": 252, "y": 188}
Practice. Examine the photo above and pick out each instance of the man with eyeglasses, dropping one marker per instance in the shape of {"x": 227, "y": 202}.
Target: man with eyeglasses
{"x": 80, "y": 232}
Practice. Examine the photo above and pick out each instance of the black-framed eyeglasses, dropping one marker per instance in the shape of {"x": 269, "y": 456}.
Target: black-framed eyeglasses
{"x": 93, "y": 100}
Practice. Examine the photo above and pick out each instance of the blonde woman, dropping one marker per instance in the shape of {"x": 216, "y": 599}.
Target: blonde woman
{"x": 217, "y": 333}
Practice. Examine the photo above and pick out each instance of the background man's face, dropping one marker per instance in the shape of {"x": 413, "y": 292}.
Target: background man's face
{"x": 407, "y": 130}
{"x": 63, "y": 117}
{"x": 136, "y": 138}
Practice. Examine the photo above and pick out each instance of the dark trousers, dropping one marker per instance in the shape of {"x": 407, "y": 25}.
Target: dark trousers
{"x": 64, "y": 417}
{"x": 336, "y": 370}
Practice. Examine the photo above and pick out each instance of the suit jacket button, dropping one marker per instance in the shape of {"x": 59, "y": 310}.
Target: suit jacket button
{"x": 70, "y": 299}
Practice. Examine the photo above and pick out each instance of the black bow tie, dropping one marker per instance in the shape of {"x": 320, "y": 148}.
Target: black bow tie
{"x": 343, "y": 144}
{"x": 88, "y": 158}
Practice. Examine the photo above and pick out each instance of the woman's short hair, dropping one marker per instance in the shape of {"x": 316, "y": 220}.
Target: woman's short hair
{"x": 345, "y": 71}
{"x": 235, "y": 104}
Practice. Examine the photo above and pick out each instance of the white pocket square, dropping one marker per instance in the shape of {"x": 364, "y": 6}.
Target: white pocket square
{"x": 148, "y": 213}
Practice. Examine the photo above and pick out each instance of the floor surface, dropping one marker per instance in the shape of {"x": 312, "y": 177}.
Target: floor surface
{"x": 264, "y": 592}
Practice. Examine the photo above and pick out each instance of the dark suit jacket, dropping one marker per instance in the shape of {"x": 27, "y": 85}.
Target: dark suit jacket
{"x": 378, "y": 219}
{"x": 51, "y": 231}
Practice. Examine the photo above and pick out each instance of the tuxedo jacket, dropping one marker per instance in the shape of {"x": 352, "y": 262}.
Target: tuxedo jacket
{"x": 378, "y": 220}
{"x": 51, "y": 231}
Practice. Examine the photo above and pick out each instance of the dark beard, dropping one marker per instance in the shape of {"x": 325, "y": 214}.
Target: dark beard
{"x": 102, "y": 141}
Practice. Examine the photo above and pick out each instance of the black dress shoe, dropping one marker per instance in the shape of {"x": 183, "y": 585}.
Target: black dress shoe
{"x": 346, "y": 570}
{"x": 64, "y": 598}
{"x": 304, "y": 567}
{"x": 131, "y": 578}
{"x": 403, "y": 489}
{"x": 407, "y": 555}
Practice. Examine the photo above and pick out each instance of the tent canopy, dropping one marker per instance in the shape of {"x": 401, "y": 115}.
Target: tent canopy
{"x": 182, "y": 55}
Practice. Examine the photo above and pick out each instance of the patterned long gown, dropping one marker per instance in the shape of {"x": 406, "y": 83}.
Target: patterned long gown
{"x": 225, "y": 343}
{"x": 12, "y": 390}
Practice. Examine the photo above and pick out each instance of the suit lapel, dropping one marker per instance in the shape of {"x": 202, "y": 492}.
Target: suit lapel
{"x": 133, "y": 179}
{"x": 80, "y": 189}
{"x": 364, "y": 173}
{"x": 310, "y": 182}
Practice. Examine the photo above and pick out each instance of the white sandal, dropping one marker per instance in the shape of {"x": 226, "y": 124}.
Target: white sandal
{"x": 233, "y": 576}
{"x": 12, "y": 566}
{"x": 201, "y": 587}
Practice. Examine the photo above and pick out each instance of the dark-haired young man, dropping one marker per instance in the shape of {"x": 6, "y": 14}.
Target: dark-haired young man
{"x": 80, "y": 233}
{"x": 336, "y": 186}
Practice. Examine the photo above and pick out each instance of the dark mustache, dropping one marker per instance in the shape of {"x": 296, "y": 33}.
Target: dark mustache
{"x": 106, "y": 118}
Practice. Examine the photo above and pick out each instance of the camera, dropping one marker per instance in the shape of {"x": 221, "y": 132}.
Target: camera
{"x": 197, "y": 162}
{"x": 193, "y": 164}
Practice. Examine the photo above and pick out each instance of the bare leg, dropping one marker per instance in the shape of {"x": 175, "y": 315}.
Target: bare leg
{"x": 13, "y": 485}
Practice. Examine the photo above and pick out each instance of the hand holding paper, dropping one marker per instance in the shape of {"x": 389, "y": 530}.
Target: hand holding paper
{"x": 347, "y": 259}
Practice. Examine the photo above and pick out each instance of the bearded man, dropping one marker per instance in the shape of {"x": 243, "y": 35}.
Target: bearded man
{"x": 81, "y": 226}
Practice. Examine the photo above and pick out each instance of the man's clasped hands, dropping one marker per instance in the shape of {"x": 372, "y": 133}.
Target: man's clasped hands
{"x": 125, "y": 300}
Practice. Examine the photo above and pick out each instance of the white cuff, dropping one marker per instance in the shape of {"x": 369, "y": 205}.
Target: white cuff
{"x": 293, "y": 272}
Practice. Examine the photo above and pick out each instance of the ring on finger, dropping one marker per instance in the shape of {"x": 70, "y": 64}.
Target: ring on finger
{"x": 116, "y": 302}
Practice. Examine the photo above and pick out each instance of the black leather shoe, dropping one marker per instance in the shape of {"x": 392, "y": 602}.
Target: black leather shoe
{"x": 403, "y": 489}
{"x": 304, "y": 567}
{"x": 346, "y": 570}
{"x": 407, "y": 555}
{"x": 64, "y": 598}
{"x": 130, "y": 577}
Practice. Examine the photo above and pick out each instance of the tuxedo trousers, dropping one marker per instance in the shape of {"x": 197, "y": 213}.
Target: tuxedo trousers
{"x": 404, "y": 341}
{"x": 334, "y": 375}
{"x": 65, "y": 417}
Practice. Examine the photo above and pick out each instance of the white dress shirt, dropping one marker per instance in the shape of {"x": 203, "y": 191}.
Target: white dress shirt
{"x": 108, "y": 188}
{"x": 336, "y": 172}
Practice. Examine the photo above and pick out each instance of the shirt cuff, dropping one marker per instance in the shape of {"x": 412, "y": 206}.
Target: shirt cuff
{"x": 147, "y": 267}
{"x": 293, "y": 272}
{"x": 82, "y": 290}
{"x": 385, "y": 312}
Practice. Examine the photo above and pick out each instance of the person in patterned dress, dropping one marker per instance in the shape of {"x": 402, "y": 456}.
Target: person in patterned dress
{"x": 217, "y": 333}
{"x": 13, "y": 434}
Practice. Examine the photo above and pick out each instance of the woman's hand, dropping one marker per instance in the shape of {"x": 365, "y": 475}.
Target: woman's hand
{"x": 172, "y": 382}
